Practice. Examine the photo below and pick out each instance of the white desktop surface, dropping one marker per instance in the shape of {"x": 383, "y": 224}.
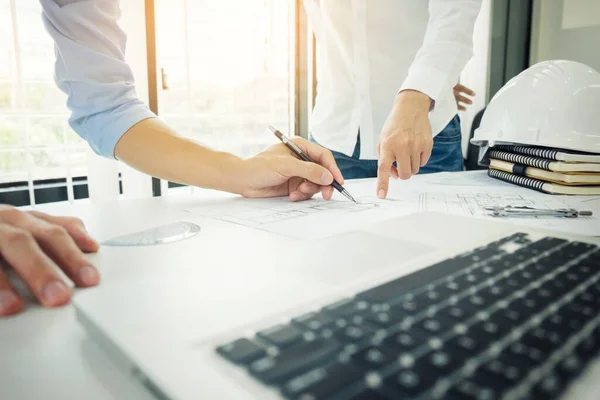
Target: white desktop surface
{"x": 46, "y": 353}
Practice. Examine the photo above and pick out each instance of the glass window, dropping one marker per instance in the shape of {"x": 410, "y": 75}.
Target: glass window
{"x": 227, "y": 64}
{"x": 35, "y": 138}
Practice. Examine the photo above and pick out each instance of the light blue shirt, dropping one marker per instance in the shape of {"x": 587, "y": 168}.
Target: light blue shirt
{"x": 91, "y": 69}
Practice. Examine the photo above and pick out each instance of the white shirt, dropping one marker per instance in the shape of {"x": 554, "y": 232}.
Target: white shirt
{"x": 371, "y": 49}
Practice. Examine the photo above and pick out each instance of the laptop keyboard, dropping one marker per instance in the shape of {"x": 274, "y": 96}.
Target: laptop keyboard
{"x": 517, "y": 318}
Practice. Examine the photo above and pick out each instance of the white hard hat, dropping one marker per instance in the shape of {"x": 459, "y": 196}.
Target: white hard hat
{"x": 553, "y": 104}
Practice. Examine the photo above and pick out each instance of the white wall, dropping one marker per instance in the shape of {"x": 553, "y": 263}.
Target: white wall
{"x": 566, "y": 29}
{"x": 475, "y": 75}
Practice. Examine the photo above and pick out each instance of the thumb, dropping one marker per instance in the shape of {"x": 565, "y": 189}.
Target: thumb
{"x": 292, "y": 167}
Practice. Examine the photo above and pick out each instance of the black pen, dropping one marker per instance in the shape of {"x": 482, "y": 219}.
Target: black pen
{"x": 292, "y": 146}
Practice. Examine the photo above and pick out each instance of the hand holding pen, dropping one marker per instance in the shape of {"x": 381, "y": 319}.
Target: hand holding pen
{"x": 292, "y": 146}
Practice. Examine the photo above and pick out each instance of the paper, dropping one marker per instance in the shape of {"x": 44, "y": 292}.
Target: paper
{"x": 315, "y": 218}
{"x": 455, "y": 193}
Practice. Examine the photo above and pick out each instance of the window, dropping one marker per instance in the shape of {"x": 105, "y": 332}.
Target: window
{"x": 226, "y": 70}
{"x": 36, "y": 142}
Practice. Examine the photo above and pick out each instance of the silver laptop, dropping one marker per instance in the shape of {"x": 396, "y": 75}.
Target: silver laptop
{"x": 427, "y": 306}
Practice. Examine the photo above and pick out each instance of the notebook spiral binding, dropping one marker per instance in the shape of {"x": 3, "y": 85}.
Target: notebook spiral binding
{"x": 521, "y": 159}
{"x": 530, "y": 151}
{"x": 517, "y": 180}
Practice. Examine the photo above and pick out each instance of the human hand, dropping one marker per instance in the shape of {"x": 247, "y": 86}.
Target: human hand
{"x": 278, "y": 172}
{"x": 35, "y": 245}
{"x": 459, "y": 92}
{"x": 405, "y": 138}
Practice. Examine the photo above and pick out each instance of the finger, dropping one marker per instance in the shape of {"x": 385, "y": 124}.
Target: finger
{"x": 309, "y": 188}
{"x": 10, "y": 302}
{"x": 74, "y": 227}
{"x": 394, "y": 172}
{"x": 464, "y": 99}
{"x": 462, "y": 108}
{"x": 415, "y": 161}
{"x": 425, "y": 157}
{"x": 404, "y": 167}
{"x": 293, "y": 167}
{"x": 320, "y": 155}
{"x": 299, "y": 196}
{"x": 463, "y": 89}
{"x": 383, "y": 173}
{"x": 327, "y": 192}
{"x": 60, "y": 246}
{"x": 38, "y": 271}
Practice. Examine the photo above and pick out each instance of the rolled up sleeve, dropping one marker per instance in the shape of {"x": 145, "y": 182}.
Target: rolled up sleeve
{"x": 91, "y": 69}
{"x": 446, "y": 48}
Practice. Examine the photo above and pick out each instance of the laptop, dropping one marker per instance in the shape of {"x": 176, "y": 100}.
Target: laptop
{"x": 427, "y": 306}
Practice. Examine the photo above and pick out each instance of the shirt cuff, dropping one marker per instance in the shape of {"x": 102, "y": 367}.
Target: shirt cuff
{"x": 427, "y": 80}
{"x": 105, "y": 129}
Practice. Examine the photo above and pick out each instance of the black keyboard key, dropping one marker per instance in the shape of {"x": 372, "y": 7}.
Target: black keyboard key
{"x": 313, "y": 321}
{"x": 588, "y": 347}
{"x": 570, "y": 366}
{"x": 403, "y": 285}
{"x": 322, "y": 383}
{"x": 294, "y": 360}
{"x": 444, "y": 360}
{"x": 407, "y": 340}
{"x": 489, "y": 330}
{"x": 242, "y": 351}
{"x": 550, "y": 387}
{"x": 450, "y": 286}
{"x": 413, "y": 381}
{"x": 280, "y": 335}
{"x": 510, "y": 316}
{"x": 528, "y": 305}
{"x": 469, "y": 389}
{"x": 436, "y": 325}
{"x": 384, "y": 319}
{"x": 457, "y": 313}
{"x": 474, "y": 303}
{"x": 527, "y": 355}
{"x": 542, "y": 339}
{"x": 374, "y": 357}
{"x": 369, "y": 394}
{"x": 546, "y": 244}
{"x": 575, "y": 249}
{"x": 486, "y": 252}
{"x": 346, "y": 308}
{"x": 353, "y": 333}
{"x": 470, "y": 279}
{"x": 467, "y": 345}
{"x": 499, "y": 374}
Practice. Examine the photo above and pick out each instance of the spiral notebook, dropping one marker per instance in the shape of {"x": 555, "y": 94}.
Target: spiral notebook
{"x": 541, "y": 186}
{"x": 551, "y": 153}
{"x": 543, "y": 163}
{"x": 571, "y": 178}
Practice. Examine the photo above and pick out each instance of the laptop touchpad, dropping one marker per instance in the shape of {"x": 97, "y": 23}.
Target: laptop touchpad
{"x": 352, "y": 255}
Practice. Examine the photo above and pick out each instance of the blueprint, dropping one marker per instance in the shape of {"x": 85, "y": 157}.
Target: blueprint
{"x": 317, "y": 218}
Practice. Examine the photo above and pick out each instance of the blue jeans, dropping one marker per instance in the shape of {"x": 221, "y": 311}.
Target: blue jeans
{"x": 445, "y": 156}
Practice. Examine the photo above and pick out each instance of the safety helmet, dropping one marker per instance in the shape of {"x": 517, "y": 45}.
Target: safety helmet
{"x": 552, "y": 104}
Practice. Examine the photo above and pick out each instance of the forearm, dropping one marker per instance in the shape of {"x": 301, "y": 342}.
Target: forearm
{"x": 152, "y": 147}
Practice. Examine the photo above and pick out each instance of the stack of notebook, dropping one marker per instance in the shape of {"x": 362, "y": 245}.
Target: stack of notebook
{"x": 554, "y": 171}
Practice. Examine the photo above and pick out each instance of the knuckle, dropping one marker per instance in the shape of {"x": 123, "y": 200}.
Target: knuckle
{"x": 10, "y": 214}
{"x": 55, "y": 231}
{"x": 16, "y": 237}
{"x": 76, "y": 222}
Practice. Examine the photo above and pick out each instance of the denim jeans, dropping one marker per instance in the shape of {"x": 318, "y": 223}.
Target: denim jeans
{"x": 445, "y": 156}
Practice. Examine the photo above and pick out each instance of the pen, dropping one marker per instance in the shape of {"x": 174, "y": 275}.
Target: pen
{"x": 292, "y": 146}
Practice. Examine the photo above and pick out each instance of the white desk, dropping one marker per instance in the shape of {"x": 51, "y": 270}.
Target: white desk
{"x": 45, "y": 354}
